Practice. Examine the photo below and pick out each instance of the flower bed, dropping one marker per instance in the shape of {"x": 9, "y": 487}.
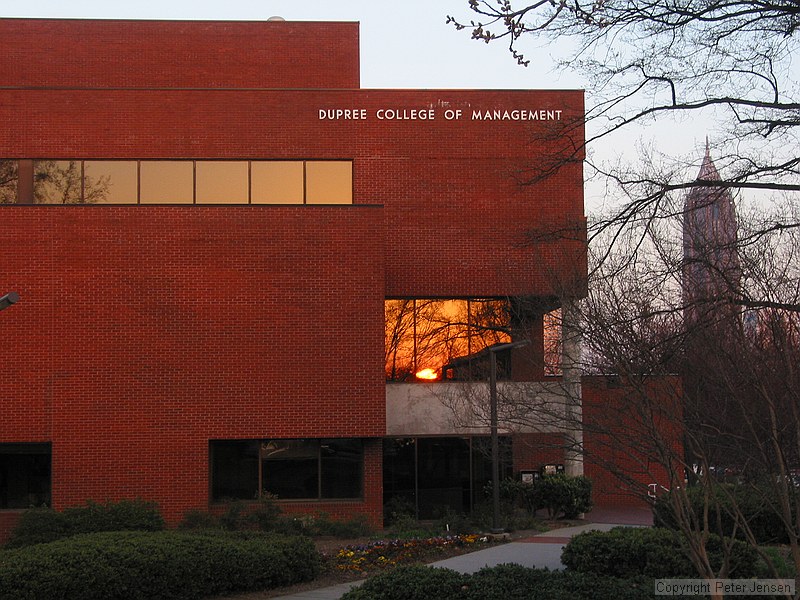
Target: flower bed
{"x": 381, "y": 554}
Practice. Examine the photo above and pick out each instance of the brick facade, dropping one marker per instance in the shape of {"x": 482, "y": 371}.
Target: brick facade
{"x": 145, "y": 332}
{"x": 190, "y": 54}
{"x": 631, "y": 430}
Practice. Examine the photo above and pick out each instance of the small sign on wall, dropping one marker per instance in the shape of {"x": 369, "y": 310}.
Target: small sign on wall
{"x": 552, "y": 469}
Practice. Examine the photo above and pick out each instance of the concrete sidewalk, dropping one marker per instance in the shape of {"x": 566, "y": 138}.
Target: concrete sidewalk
{"x": 542, "y": 550}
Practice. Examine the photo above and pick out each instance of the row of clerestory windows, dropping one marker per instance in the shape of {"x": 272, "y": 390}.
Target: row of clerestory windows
{"x": 27, "y": 181}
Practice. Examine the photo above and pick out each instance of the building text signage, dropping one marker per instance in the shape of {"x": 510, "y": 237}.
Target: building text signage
{"x": 432, "y": 114}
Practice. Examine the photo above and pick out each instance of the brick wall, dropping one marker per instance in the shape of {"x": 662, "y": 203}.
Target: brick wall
{"x": 459, "y": 220}
{"x": 625, "y": 425}
{"x": 178, "y": 54}
{"x": 141, "y": 334}
{"x": 534, "y": 450}
{"x": 629, "y": 427}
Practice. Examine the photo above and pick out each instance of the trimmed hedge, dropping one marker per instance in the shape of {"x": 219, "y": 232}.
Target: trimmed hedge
{"x": 509, "y": 582}
{"x": 42, "y": 525}
{"x": 649, "y": 552}
{"x": 563, "y": 495}
{"x": 767, "y": 526}
{"x": 415, "y": 582}
{"x": 155, "y": 565}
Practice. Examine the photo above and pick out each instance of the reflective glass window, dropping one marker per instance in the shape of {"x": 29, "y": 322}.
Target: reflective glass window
{"x": 234, "y": 469}
{"x": 443, "y": 475}
{"x": 488, "y": 323}
{"x": 329, "y": 182}
{"x": 552, "y": 342}
{"x": 426, "y": 476}
{"x": 276, "y": 182}
{"x": 305, "y": 469}
{"x": 399, "y": 332}
{"x": 221, "y": 182}
{"x": 482, "y": 464}
{"x": 341, "y": 464}
{"x": 57, "y": 181}
{"x": 110, "y": 181}
{"x": 167, "y": 182}
{"x": 24, "y": 475}
{"x": 400, "y": 474}
{"x": 8, "y": 181}
{"x": 290, "y": 468}
{"x": 431, "y": 339}
{"x": 442, "y": 334}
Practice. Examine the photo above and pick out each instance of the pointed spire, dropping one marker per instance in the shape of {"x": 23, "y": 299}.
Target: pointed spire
{"x": 708, "y": 172}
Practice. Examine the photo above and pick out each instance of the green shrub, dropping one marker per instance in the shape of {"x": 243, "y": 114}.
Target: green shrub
{"x": 234, "y": 517}
{"x": 322, "y": 524}
{"x": 513, "y": 582}
{"x": 781, "y": 561}
{"x": 650, "y": 552}
{"x": 155, "y": 565}
{"x": 39, "y": 526}
{"x": 42, "y": 525}
{"x": 399, "y": 510}
{"x": 122, "y": 515}
{"x": 410, "y": 583}
{"x": 520, "y": 494}
{"x": 726, "y": 500}
{"x": 266, "y": 514}
{"x": 509, "y": 582}
{"x": 511, "y": 519}
{"x": 199, "y": 519}
{"x": 563, "y": 495}
{"x": 452, "y": 522}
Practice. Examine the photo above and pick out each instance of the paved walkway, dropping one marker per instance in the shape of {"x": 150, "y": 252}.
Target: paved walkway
{"x": 543, "y": 550}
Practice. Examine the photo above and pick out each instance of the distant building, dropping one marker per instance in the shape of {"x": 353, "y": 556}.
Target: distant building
{"x": 711, "y": 267}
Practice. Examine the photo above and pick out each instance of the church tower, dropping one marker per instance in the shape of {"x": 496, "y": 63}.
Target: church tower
{"x": 711, "y": 268}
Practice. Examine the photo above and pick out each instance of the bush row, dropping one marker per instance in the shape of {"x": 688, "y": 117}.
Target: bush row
{"x": 621, "y": 563}
{"x": 155, "y": 565}
{"x": 509, "y": 582}
{"x": 651, "y": 552}
{"x": 42, "y": 525}
{"x": 726, "y": 501}
{"x": 267, "y": 515}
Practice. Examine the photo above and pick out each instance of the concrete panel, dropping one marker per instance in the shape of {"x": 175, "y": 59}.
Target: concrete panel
{"x": 463, "y": 408}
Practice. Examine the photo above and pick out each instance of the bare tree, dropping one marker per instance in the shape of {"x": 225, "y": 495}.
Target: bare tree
{"x": 728, "y": 61}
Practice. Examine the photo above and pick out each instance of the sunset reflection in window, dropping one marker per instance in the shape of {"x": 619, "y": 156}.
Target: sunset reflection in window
{"x": 425, "y": 335}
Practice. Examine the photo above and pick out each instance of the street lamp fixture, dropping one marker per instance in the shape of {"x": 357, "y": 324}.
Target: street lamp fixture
{"x": 493, "y": 350}
{"x": 9, "y": 299}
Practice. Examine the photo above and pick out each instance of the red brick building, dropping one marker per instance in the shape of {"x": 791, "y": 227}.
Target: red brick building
{"x": 211, "y": 228}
